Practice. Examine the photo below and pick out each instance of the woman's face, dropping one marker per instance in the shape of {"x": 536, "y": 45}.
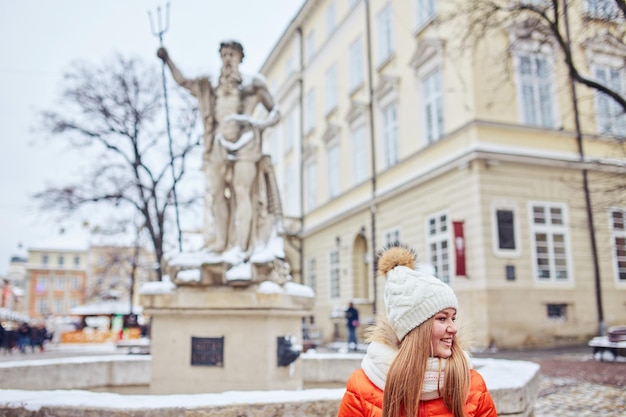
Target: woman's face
{"x": 443, "y": 334}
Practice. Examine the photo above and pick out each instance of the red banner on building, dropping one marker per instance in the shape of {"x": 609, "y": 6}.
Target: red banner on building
{"x": 459, "y": 248}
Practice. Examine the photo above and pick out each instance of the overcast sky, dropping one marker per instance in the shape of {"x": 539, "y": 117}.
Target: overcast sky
{"x": 39, "y": 39}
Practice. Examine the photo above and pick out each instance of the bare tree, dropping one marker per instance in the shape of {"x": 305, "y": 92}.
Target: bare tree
{"x": 117, "y": 111}
{"x": 544, "y": 21}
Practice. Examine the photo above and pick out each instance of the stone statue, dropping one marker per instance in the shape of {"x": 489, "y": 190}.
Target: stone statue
{"x": 241, "y": 200}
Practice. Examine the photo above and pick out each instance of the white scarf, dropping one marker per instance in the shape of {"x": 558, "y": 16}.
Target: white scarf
{"x": 379, "y": 357}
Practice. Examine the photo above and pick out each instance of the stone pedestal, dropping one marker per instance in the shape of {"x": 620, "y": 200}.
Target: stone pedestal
{"x": 245, "y": 322}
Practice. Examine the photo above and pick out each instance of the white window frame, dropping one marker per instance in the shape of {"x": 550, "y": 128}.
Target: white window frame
{"x": 332, "y": 158}
{"x": 384, "y": 24}
{"x": 550, "y": 252}
{"x": 331, "y": 19}
{"x": 438, "y": 242}
{"x": 332, "y": 93}
{"x": 42, "y": 305}
{"x": 610, "y": 118}
{"x": 334, "y": 272}
{"x": 291, "y": 189}
{"x": 426, "y": 10}
{"x": 311, "y": 187}
{"x": 310, "y": 45}
{"x": 359, "y": 153}
{"x": 618, "y": 243}
{"x": 602, "y": 9}
{"x": 311, "y": 276}
{"x": 392, "y": 235}
{"x": 432, "y": 88}
{"x": 290, "y": 130}
{"x": 389, "y": 132}
{"x": 542, "y": 110}
{"x": 507, "y": 205}
{"x": 289, "y": 67}
{"x": 356, "y": 63}
{"x": 309, "y": 111}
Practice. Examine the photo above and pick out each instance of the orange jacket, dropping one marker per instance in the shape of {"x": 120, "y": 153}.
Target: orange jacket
{"x": 362, "y": 398}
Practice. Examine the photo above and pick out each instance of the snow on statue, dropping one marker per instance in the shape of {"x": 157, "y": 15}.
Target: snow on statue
{"x": 243, "y": 215}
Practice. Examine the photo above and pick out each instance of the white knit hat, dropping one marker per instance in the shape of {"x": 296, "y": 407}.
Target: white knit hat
{"x": 411, "y": 297}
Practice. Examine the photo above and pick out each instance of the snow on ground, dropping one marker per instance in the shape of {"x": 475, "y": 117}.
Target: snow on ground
{"x": 77, "y": 398}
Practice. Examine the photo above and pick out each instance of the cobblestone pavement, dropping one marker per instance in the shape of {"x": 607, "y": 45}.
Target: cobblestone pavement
{"x": 565, "y": 397}
{"x": 575, "y": 384}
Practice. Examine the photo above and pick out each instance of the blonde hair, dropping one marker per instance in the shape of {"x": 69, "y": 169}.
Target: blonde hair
{"x": 405, "y": 379}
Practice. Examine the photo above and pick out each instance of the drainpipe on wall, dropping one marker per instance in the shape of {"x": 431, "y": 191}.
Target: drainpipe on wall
{"x": 588, "y": 205}
{"x": 368, "y": 43}
{"x": 301, "y": 134}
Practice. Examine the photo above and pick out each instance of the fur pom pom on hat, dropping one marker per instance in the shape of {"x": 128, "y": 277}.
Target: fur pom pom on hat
{"x": 411, "y": 297}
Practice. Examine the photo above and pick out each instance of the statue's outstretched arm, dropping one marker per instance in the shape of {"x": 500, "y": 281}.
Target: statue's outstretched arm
{"x": 178, "y": 76}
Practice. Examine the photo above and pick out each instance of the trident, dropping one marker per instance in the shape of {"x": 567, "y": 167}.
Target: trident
{"x": 162, "y": 28}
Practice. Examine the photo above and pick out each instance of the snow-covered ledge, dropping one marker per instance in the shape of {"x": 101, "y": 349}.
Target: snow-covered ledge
{"x": 514, "y": 386}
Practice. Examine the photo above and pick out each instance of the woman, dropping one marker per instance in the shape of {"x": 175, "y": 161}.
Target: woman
{"x": 414, "y": 365}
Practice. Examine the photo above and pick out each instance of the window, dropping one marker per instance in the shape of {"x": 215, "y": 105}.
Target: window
{"x": 356, "y": 63}
{"x": 601, "y": 9}
{"x": 58, "y": 305}
{"x": 289, "y": 67}
{"x": 311, "y": 172}
{"x": 433, "y": 106}
{"x": 426, "y": 10}
{"x": 290, "y": 131}
{"x": 437, "y": 238}
{"x": 309, "y": 111}
{"x": 330, "y": 19}
{"x": 60, "y": 260}
{"x": 506, "y": 229}
{"x": 44, "y": 260}
{"x": 331, "y": 88}
{"x": 359, "y": 155}
{"x": 42, "y": 306}
{"x": 291, "y": 190}
{"x": 390, "y": 134}
{"x": 385, "y": 34}
{"x": 312, "y": 274}
{"x": 310, "y": 45}
{"x": 392, "y": 236}
{"x": 42, "y": 284}
{"x": 550, "y": 242}
{"x": 76, "y": 260}
{"x": 333, "y": 169}
{"x": 76, "y": 283}
{"x": 334, "y": 274}
{"x": 618, "y": 236}
{"x": 535, "y": 90}
{"x": 610, "y": 117}
{"x": 557, "y": 311}
{"x": 59, "y": 284}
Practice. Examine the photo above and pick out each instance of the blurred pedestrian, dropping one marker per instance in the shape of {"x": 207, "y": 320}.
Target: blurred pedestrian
{"x": 352, "y": 322}
{"x": 415, "y": 365}
{"x": 23, "y": 336}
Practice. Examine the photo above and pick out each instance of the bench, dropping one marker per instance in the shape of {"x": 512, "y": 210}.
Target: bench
{"x": 602, "y": 343}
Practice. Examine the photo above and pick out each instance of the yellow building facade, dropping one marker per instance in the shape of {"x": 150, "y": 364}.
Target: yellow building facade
{"x": 393, "y": 129}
